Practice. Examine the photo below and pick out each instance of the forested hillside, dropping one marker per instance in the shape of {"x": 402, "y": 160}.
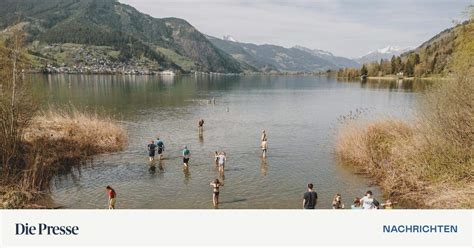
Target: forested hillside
{"x": 429, "y": 59}
{"x": 169, "y": 43}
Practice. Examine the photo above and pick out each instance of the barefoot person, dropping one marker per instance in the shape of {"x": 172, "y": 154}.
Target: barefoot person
{"x": 151, "y": 150}
{"x": 215, "y": 195}
{"x": 112, "y": 195}
{"x": 161, "y": 147}
{"x": 264, "y": 147}
{"x": 186, "y": 156}
{"x": 337, "y": 202}
{"x": 310, "y": 198}
{"x": 221, "y": 162}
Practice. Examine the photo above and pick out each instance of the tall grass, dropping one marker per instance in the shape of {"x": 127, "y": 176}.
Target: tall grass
{"x": 58, "y": 139}
{"x": 426, "y": 163}
{"x": 90, "y": 133}
{"x": 430, "y": 161}
{"x": 55, "y": 141}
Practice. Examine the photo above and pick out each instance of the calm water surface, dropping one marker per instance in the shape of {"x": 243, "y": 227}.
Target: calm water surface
{"x": 300, "y": 114}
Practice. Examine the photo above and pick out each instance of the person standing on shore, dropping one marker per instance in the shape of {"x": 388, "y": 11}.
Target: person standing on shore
{"x": 337, "y": 202}
{"x": 186, "y": 156}
{"x": 215, "y": 192}
{"x": 356, "y": 204}
{"x": 112, "y": 196}
{"x": 161, "y": 147}
{"x": 368, "y": 201}
{"x": 310, "y": 198}
{"x": 151, "y": 150}
{"x": 264, "y": 147}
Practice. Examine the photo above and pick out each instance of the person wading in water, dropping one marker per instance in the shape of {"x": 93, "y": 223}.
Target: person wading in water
{"x": 215, "y": 192}
{"x": 310, "y": 198}
{"x": 201, "y": 126}
{"x": 151, "y": 150}
{"x": 112, "y": 196}
{"x": 161, "y": 147}
{"x": 186, "y": 156}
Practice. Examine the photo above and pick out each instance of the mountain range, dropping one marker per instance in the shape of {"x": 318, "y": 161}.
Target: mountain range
{"x": 82, "y": 33}
{"x": 277, "y": 58}
{"x": 108, "y": 36}
{"x": 385, "y": 53}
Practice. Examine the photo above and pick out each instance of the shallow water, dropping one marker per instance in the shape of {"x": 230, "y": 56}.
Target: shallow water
{"x": 300, "y": 114}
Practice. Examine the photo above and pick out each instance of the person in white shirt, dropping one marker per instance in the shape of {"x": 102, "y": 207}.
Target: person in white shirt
{"x": 368, "y": 201}
{"x": 221, "y": 161}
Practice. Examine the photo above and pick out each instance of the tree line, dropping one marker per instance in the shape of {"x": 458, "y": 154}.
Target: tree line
{"x": 431, "y": 58}
{"x": 412, "y": 66}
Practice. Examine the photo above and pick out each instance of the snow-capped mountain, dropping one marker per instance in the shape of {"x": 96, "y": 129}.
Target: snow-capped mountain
{"x": 339, "y": 62}
{"x": 383, "y": 53}
{"x": 229, "y": 38}
{"x": 314, "y": 51}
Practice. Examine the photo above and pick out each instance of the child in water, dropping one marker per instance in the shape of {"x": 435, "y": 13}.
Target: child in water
{"x": 112, "y": 195}
{"x": 215, "y": 192}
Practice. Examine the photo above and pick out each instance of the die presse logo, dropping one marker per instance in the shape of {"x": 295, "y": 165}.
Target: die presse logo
{"x": 44, "y": 229}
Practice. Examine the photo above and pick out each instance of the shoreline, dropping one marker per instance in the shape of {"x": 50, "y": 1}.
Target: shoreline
{"x": 394, "y": 78}
{"x": 409, "y": 78}
{"x": 315, "y": 74}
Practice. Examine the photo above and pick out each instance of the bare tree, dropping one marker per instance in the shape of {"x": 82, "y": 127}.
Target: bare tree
{"x": 16, "y": 106}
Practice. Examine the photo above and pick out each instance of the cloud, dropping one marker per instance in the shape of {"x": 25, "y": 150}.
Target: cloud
{"x": 347, "y": 28}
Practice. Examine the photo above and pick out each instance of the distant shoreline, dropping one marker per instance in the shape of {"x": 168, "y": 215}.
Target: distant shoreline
{"x": 409, "y": 78}
{"x": 158, "y": 73}
{"x": 167, "y": 74}
{"x": 392, "y": 78}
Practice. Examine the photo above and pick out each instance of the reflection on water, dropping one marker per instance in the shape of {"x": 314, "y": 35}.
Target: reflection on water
{"x": 264, "y": 167}
{"x": 408, "y": 85}
{"x": 300, "y": 114}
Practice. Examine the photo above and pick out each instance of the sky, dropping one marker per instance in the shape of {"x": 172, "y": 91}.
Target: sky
{"x": 343, "y": 27}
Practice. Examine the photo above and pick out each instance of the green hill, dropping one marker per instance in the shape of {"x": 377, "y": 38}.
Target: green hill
{"x": 167, "y": 43}
{"x": 432, "y": 58}
{"x": 434, "y": 55}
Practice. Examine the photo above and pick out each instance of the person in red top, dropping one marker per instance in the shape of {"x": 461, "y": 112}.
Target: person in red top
{"x": 112, "y": 195}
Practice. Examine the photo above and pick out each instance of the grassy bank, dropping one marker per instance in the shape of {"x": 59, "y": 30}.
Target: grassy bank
{"x": 427, "y": 163}
{"x": 55, "y": 141}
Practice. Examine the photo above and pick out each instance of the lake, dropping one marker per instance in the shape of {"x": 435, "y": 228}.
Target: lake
{"x": 300, "y": 114}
